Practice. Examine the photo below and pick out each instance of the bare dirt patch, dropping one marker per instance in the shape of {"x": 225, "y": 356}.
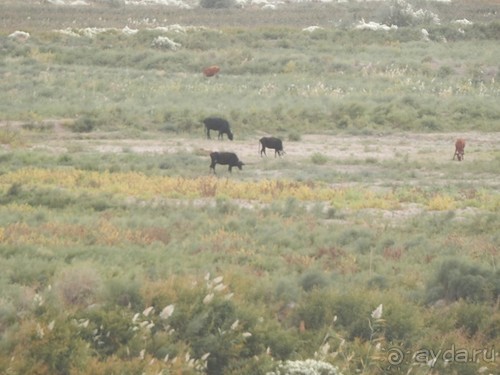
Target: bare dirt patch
{"x": 438, "y": 146}
{"x": 371, "y": 160}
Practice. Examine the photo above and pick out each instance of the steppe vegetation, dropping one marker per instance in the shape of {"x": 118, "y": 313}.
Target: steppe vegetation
{"x": 364, "y": 250}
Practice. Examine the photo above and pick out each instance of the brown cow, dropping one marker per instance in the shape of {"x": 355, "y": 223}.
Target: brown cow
{"x": 459, "y": 149}
{"x": 211, "y": 71}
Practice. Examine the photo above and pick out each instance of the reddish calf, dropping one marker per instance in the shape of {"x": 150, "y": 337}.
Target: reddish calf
{"x": 459, "y": 149}
{"x": 210, "y": 71}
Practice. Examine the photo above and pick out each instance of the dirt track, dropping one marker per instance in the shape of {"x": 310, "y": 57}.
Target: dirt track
{"x": 337, "y": 147}
{"x": 369, "y": 159}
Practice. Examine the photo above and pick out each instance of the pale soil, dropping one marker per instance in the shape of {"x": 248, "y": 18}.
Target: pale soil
{"x": 345, "y": 154}
{"x": 342, "y": 151}
{"x": 437, "y": 146}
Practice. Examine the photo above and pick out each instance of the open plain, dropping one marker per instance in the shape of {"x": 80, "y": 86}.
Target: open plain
{"x": 365, "y": 249}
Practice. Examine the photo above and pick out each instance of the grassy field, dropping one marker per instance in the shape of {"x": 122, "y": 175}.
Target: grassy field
{"x": 364, "y": 250}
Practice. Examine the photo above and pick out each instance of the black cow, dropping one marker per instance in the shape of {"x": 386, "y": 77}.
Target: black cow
{"x": 225, "y": 158}
{"x": 217, "y": 123}
{"x": 271, "y": 142}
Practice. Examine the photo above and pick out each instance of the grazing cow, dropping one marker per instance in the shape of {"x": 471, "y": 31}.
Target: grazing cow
{"x": 459, "y": 149}
{"x": 271, "y": 142}
{"x": 225, "y": 158}
{"x": 211, "y": 71}
{"x": 217, "y": 123}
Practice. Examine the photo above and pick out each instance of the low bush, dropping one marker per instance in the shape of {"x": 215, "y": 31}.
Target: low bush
{"x": 84, "y": 124}
{"x": 319, "y": 159}
{"x": 470, "y": 317}
{"x": 455, "y": 280}
{"x": 217, "y": 4}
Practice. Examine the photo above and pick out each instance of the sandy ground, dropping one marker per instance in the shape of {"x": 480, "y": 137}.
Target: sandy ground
{"x": 439, "y": 146}
{"x": 344, "y": 153}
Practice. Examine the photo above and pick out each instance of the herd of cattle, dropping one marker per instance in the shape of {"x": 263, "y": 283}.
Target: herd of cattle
{"x": 231, "y": 159}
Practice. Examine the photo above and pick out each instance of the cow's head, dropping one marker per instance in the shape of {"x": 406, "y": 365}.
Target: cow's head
{"x": 240, "y": 164}
{"x": 230, "y": 136}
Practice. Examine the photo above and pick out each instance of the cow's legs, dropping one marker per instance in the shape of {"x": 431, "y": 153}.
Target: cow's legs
{"x": 212, "y": 165}
{"x": 458, "y": 154}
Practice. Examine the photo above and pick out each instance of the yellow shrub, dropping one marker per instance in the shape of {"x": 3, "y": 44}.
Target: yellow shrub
{"x": 141, "y": 186}
{"x": 441, "y": 202}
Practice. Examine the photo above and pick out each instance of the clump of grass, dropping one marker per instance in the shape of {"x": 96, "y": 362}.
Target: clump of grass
{"x": 319, "y": 159}
{"x": 313, "y": 279}
{"x": 441, "y": 202}
{"x": 10, "y": 137}
{"x": 84, "y": 124}
{"x": 294, "y": 137}
{"x": 123, "y": 291}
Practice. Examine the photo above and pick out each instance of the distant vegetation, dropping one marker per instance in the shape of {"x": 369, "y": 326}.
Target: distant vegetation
{"x": 143, "y": 263}
{"x": 333, "y": 79}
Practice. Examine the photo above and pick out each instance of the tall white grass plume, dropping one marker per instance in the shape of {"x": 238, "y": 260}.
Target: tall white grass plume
{"x": 167, "y": 311}
{"x": 377, "y": 313}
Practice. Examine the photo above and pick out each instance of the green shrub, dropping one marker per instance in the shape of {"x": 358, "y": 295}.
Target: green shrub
{"x": 361, "y": 239}
{"x": 492, "y": 328}
{"x": 51, "y": 347}
{"x": 378, "y": 282}
{"x": 294, "y": 137}
{"x": 217, "y": 4}
{"x": 55, "y": 199}
{"x": 108, "y": 330}
{"x": 402, "y": 323}
{"x": 317, "y": 309}
{"x": 313, "y": 279}
{"x": 470, "y": 317}
{"x": 123, "y": 291}
{"x": 455, "y": 280}
{"x": 352, "y": 313}
{"x": 29, "y": 269}
{"x": 281, "y": 343}
{"x": 286, "y": 289}
{"x": 84, "y": 124}
{"x": 8, "y": 314}
{"x": 319, "y": 159}
{"x": 9, "y": 137}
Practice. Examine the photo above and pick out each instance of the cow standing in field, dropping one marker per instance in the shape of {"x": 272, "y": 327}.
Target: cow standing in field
{"x": 459, "y": 149}
{"x": 271, "y": 142}
{"x": 211, "y": 71}
{"x": 225, "y": 158}
{"x": 219, "y": 124}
